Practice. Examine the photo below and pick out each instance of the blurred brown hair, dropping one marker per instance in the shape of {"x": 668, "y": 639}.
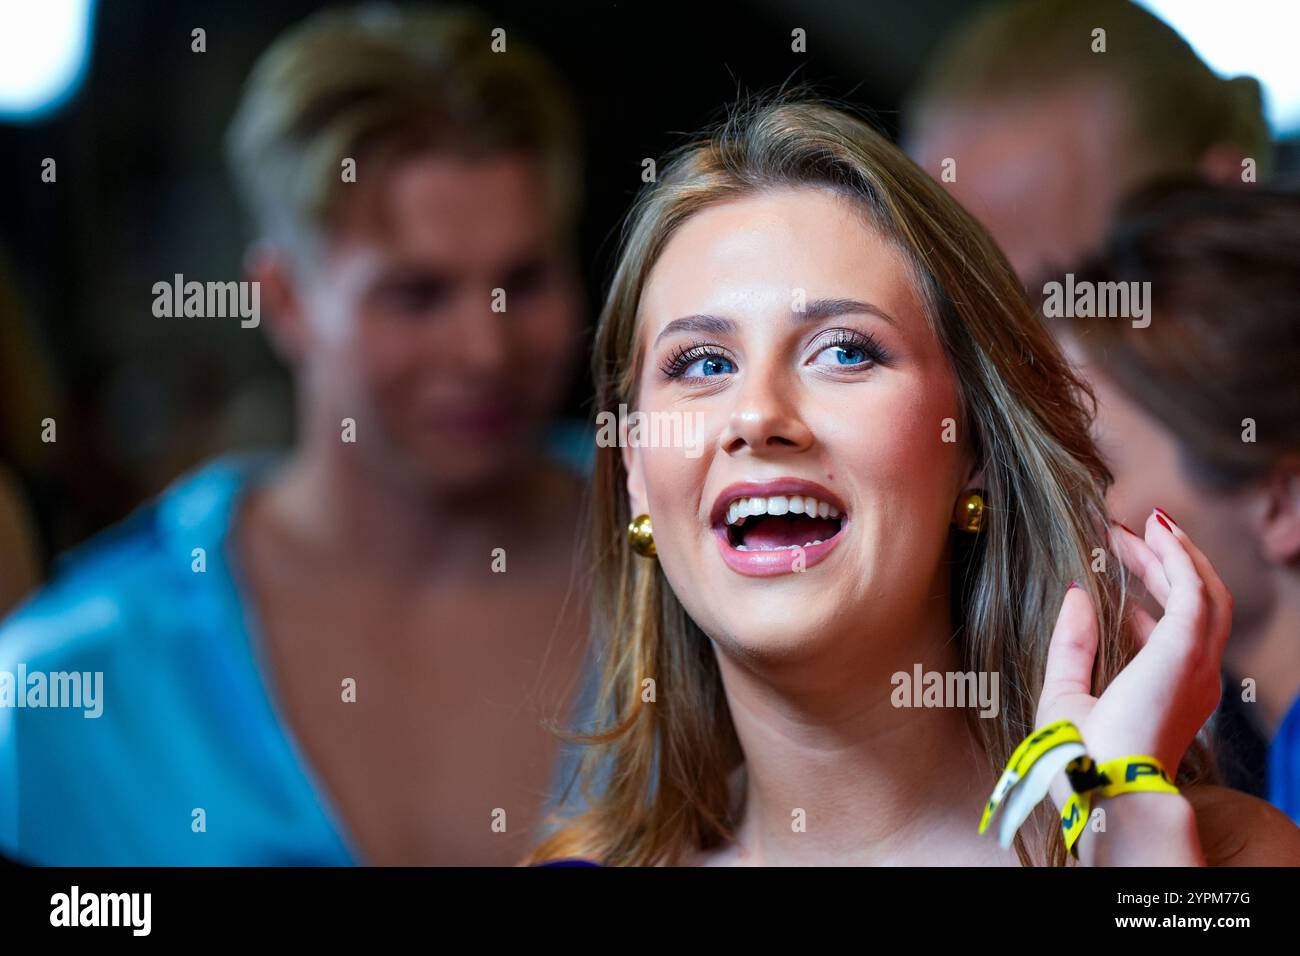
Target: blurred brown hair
{"x": 1223, "y": 345}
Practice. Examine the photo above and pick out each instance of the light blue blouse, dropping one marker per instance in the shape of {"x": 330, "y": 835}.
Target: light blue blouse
{"x": 188, "y": 761}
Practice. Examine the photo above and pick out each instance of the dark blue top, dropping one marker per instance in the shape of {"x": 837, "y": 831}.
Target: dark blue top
{"x": 1284, "y": 764}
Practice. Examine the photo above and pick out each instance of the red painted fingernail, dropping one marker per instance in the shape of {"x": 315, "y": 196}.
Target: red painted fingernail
{"x": 1161, "y": 519}
{"x": 1073, "y": 585}
{"x": 1162, "y": 511}
{"x": 1129, "y": 530}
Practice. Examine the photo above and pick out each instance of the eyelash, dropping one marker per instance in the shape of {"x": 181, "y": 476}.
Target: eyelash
{"x": 686, "y": 355}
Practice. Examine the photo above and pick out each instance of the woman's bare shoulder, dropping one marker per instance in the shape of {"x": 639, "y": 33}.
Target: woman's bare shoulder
{"x": 1237, "y": 829}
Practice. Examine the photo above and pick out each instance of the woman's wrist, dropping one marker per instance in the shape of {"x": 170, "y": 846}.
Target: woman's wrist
{"x": 1134, "y": 829}
{"x": 1141, "y": 829}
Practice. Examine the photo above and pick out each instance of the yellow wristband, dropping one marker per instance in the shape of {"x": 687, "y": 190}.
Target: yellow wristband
{"x": 1059, "y": 734}
{"x": 1135, "y": 774}
{"x": 1074, "y": 818}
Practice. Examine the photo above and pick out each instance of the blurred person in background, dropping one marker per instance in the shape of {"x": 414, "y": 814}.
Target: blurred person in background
{"x": 1202, "y": 409}
{"x": 1040, "y": 132}
{"x": 1040, "y": 126}
{"x": 347, "y": 654}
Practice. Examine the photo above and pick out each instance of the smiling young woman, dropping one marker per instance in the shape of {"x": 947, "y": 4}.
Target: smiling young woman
{"x": 864, "y": 361}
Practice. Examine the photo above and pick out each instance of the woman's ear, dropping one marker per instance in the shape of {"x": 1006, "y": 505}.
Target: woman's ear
{"x": 633, "y": 464}
{"x": 1278, "y": 521}
{"x": 974, "y": 478}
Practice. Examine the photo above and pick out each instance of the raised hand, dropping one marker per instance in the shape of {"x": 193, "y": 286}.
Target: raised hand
{"x": 1161, "y": 699}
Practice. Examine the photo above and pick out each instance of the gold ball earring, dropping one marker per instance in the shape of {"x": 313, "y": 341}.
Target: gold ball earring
{"x": 641, "y": 536}
{"x": 968, "y": 515}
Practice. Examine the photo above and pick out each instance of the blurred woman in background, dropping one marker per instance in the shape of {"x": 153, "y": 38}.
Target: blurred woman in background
{"x": 1201, "y": 409}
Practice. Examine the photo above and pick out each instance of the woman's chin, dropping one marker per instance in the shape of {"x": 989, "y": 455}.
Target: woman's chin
{"x": 776, "y": 632}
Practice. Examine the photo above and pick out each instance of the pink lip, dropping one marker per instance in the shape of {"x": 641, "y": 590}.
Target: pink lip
{"x": 769, "y": 563}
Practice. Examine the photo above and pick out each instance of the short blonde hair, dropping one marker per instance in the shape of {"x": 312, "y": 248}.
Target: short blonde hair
{"x": 376, "y": 82}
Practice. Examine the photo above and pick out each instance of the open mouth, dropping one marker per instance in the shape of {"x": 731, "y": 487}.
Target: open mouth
{"x": 780, "y": 522}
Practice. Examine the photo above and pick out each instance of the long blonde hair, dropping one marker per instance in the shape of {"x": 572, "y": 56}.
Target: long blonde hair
{"x": 656, "y": 775}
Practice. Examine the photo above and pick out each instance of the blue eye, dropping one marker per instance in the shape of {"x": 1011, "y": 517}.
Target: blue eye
{"x": 697, "y": 361}
{"x": 713, "y": 365}
{"x": 851, "y": 350}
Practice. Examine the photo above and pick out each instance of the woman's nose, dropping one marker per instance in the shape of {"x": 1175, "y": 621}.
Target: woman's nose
{"x": 765, "y": 416}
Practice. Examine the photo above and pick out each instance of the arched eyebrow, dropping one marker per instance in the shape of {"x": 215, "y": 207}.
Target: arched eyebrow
{"x": 815, "y": 311}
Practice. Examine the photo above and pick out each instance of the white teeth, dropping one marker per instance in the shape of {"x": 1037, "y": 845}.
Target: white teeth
{"x": 784, "y": 547}
{"x": 741, "y": 508}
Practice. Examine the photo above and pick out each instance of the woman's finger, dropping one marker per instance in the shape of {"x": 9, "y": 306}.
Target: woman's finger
{"x": 1188, "y": 600}
{"x": 1143, "y": 624}
{"x": 1072, "y": 650}
{"x": 1138, "y": 557}
{"x": 1219, "y": 597}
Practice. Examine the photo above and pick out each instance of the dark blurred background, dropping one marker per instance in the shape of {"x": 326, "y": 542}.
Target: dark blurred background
{"x": 142, "y": 194}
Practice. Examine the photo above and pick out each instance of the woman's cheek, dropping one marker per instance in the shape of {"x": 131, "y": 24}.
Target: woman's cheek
{"x": 909, "y": 435}
{"x": 674, "y": 485}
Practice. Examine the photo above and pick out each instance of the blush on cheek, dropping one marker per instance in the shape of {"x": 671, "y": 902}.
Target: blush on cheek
{"x": 904, "y": 474}
{"x": 912, "y": 437}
